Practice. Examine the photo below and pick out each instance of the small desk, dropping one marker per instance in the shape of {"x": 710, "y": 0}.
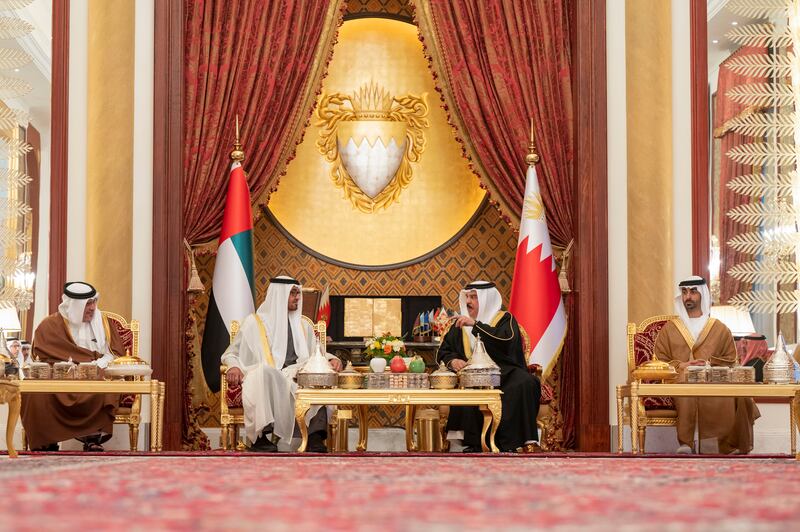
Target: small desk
{"x": 9, "y": 393}
{"x": 487, "y": 400}
{"x": 153, "y": 388}
{"x": 638, "y": 389}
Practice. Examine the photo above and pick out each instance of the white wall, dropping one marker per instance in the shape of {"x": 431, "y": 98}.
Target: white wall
{"x": 77, "y": 154}
{"x": 682, "y": 143}
{"x": 617, "y": 201}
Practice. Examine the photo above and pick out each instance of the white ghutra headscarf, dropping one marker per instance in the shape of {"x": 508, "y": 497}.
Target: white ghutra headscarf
{"x": 89, "y": 335}
{"x": 277, "y": 318}
{"x": 695, "y": 325}
{"x": 489, "y": 303}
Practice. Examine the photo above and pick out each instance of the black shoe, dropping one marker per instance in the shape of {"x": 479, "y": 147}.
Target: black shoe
{"x": 50, "y": 448}
{"x": 263, "y": 444}
{"x": 471, "y": 449}
{"x": 316, "y": 443}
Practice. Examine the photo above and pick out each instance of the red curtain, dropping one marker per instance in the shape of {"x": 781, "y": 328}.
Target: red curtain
{"x": 263, "y": 61}
{"x": 501, "y": 64}
{"x": 725, "y": 110}
{"x": 498, "y": 65}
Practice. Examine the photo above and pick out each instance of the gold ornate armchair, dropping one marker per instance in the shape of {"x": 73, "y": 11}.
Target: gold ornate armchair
{"x": 652, "y": 411}
{"x": 231, "y": 415}
{"x": 129, "y": 411}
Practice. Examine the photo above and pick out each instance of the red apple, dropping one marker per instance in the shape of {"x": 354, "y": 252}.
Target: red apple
{"x": 397, "y": 365}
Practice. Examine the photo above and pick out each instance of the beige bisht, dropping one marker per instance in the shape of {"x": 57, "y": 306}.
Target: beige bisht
{"x": 727, "y": 420}
{"x": 52, "y": 418}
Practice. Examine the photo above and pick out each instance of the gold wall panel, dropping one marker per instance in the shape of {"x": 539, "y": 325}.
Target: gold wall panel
{"x": 443, "y": 193}
{"x": 109, "y": 170}
{"x": 648, "y": 50}
{"x": 365, "y": 317}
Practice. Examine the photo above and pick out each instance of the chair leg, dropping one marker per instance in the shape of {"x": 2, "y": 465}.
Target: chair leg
{"x": 642, "y": 433}
{"x": 223, "y": 437}
{"x": 237, "y": 443}
{"x": 133, "y": 435}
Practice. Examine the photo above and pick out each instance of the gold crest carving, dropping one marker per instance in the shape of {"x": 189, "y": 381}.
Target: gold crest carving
{"x": 371, "y": 138}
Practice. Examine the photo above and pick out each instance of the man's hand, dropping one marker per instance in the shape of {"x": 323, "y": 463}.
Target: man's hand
{"x": 456, "y": 364}
{"x": 235, "y": 377}
{"x": 464, "y": 321}
{"x": 336, "y": 364}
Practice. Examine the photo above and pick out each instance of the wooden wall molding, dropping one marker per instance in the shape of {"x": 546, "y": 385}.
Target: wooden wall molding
{"x": 59, "y": 180}
{"x": 169, "y": 300}
{"x": 591, "y": 258}
{"x": 701, "y": 229}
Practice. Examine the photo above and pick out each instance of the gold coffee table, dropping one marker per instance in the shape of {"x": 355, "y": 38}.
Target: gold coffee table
{"x": 155, "y": 389}
{"x": 636, "y": 390}
{"x": 487, "y": 400}
{"x": 9, "y": 393}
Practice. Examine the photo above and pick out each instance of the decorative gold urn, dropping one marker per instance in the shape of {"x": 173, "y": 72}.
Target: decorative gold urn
{"x": 350, "y": 379}
{"x": 128, "y": 366}
{"x": 443, "y": 378}
{"x": 655, "y": 370}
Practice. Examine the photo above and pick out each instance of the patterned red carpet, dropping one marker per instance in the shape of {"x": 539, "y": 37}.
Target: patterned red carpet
{"x": 396, "y": 493}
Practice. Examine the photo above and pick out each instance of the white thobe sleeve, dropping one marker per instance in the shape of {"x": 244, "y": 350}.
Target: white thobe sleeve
{"x": 103, "y": 361}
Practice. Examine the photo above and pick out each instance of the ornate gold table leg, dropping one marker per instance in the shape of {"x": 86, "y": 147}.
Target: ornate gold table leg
{"x": 11, "y": 395}
{"x": 496, "y": 408}
{"x": 487, "y": 421}
{"x": 793, "y": 424}
{"x": 796, "y": 404}
{"x": 410, "y": 412}
{"x": 363, "y": 430}
{"x": 300, "y": 409}
{"x": 154, "y": 421}
{"x": 619, "y": 420}
{"x": 633, "y": 401}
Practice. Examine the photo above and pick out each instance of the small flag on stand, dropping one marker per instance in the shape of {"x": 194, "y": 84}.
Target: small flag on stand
{"x": 324, "y": 312}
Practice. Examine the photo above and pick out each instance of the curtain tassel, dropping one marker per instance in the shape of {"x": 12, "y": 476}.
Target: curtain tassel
{"x": 195, "y": 284}
{"x": 563, "y": 274}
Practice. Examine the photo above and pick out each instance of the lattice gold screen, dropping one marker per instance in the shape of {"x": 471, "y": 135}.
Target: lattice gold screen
{"x": 367, "y": 317}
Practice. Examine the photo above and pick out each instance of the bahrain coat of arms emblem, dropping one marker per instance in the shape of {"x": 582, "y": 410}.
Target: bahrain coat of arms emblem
{"x": 371, "y": 137}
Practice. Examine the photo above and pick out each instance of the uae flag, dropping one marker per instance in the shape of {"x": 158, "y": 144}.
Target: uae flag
{"x": 232, "y": 290}
{"x": 535, "y": 293}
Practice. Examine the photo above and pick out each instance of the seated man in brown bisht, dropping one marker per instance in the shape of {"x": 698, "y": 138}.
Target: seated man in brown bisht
{"x": 724, "y": 424}
{"x": 78, "y": 332}
{"x": 481, "y": 314}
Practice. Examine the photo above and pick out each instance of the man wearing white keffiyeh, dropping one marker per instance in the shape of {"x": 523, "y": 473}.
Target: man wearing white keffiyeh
{"x": 265, "y": 356}
{"x": 695, "y": 338}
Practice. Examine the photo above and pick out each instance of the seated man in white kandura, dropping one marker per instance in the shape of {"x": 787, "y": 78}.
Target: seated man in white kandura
{"x": 271, "y": 346}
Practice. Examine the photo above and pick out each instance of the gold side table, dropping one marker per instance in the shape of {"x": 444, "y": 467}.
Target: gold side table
{"x": 9, "y": 393}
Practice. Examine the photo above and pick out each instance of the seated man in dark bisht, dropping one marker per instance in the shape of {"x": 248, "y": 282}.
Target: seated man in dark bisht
{"x": 481, "y": 314}
{"x": 79, "y": 332}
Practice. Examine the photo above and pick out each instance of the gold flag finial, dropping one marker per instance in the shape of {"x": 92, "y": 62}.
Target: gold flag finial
{"x": 532, "y": 157}
{"x": 237, "y": 154}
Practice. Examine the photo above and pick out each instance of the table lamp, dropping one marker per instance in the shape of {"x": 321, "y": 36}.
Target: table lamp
{"x": 736, "y": 319}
